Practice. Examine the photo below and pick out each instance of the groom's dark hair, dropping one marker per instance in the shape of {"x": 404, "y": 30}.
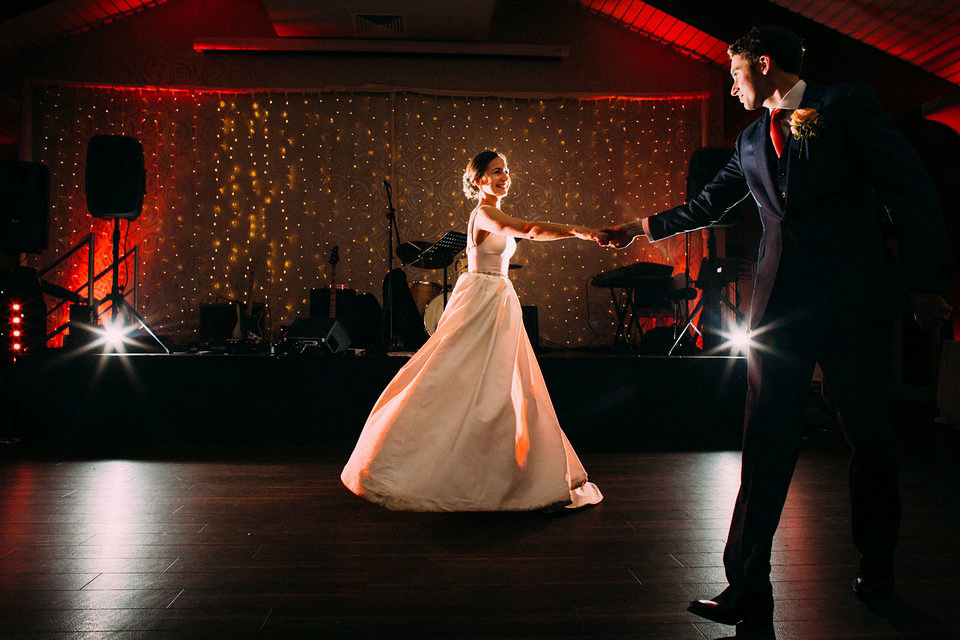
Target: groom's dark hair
{"x": 782, "y": 45}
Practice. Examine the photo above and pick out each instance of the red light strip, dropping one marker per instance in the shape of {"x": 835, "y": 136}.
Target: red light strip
{"x": 641, "y": 17}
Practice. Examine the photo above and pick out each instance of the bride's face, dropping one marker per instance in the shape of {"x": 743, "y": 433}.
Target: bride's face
{"x": 496, "y": 179}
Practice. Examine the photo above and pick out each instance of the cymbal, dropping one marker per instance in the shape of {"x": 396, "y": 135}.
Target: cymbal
{"x": 416, "y": 254}
{"x": 409, "y": 252}
{"x": 435, "y": 260}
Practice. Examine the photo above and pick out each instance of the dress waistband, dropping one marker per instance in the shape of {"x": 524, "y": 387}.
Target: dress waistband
{"x": 485, "y": 272}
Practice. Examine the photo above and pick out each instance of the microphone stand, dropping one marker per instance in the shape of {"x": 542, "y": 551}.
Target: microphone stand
{"x": 392, "y": 224}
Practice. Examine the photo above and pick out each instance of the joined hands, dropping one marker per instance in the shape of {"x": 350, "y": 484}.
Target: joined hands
{"x": 589, "y": 233}
{"x": 620, "y": 236}
{"x": 616, "y": 237}
{"x": 930, "y": 310}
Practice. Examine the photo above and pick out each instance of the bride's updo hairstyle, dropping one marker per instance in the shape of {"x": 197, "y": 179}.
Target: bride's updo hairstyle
{"x": 475, "y": 170}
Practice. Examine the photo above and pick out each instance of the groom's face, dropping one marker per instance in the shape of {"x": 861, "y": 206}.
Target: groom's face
{"x": 748, "y": 82}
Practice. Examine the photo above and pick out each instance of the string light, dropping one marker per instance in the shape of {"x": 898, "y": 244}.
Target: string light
{"x": 248, "y": 193}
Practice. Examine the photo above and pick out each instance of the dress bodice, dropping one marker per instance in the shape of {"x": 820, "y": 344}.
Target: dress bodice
{"x": 492, "y": 255}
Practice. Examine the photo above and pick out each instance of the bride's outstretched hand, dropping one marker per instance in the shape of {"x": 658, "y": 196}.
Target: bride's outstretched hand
{"x": 589, "y": 233}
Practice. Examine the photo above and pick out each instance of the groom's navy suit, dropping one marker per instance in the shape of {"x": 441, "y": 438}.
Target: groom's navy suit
{"x": 823, "y": 293}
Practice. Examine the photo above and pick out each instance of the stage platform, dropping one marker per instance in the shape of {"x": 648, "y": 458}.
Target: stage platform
{"x": 147, "y": 399}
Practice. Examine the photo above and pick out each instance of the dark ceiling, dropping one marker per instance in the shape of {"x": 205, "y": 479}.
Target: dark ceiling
{"x": 909, "y": 50}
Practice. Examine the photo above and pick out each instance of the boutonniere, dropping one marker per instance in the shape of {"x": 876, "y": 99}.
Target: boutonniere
{"x": 805, "y": 124}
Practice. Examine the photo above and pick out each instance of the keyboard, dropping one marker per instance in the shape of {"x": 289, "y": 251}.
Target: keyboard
{"x": 633, "y": 275}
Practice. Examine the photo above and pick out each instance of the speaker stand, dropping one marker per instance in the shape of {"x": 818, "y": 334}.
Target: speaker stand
{"x": 712, "y": 298}
{"x": 116, "y": 298}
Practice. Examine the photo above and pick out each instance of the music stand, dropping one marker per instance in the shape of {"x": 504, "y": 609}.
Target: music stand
{"x": 441, "y": 254}
{"x": 411, "y": 252}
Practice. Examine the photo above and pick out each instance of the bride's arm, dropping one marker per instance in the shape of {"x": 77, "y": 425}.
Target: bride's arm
{"x": 492, "y": 220}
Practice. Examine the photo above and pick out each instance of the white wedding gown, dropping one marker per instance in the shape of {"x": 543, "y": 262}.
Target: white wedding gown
{"x": 467, "y": 424}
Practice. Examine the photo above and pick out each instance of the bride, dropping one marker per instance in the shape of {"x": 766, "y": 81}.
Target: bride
{"x": 467, "y": 424}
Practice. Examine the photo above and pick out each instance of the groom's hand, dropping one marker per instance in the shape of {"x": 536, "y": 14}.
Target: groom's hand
{"x": 617, "y": 237}
{"x": 930, "y": 310}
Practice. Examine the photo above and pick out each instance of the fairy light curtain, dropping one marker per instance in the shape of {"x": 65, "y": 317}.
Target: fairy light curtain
{"x": 248, "y": 193}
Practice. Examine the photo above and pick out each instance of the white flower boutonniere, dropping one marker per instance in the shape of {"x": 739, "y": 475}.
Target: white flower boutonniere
{"x": 805, "y": 124}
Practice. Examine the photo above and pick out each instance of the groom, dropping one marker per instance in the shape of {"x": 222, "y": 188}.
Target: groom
{"x": 822, "y": 294}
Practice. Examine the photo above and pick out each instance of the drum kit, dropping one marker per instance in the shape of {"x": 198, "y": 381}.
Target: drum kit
{"x": 433, "y": 309}
{"x": 431, "y": 297}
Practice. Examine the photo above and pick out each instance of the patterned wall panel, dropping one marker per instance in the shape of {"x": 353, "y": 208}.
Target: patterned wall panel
{"x": 248, "y": 192}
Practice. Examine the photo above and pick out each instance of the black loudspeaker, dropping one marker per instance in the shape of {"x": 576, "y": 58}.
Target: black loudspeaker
{"x": 115, "y": 179}
{"x": 342, "y": 300}
{"x": 704, "y": 165}
{"x": 328, "y": 331}
{"x": 83, "y": 323}
{"x": 359, "y": 313}
{"x": 400, "y": 314}
{"x": 24, "y": 202}
{"x": 363, "y": 323}
{"x": 531, "y": 323}
{"x": 219, "y": 323}
{"x": 657, "y": 341}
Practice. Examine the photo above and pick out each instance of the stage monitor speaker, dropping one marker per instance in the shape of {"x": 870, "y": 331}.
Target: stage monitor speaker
{"x": 329, "y": 331}
{"x": 115, "y": 178}
{"x": 24, "y": 202}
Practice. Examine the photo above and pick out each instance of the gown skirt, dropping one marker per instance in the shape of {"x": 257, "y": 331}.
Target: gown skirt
{"x": 467, "y": 423}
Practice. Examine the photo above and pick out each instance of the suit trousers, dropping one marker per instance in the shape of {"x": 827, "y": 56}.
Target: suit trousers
{"x": 855, "y": 361}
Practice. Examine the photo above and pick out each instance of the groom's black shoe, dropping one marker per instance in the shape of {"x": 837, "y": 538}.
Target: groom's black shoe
{"x": 735, "y": 607}
{"x": 874, "y": 578}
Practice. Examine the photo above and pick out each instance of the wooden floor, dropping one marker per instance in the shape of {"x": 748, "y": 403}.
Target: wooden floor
{"x": 262, "y": 541}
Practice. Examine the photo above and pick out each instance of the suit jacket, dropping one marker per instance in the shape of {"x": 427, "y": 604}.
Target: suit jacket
{"x": 822, "y": 255}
